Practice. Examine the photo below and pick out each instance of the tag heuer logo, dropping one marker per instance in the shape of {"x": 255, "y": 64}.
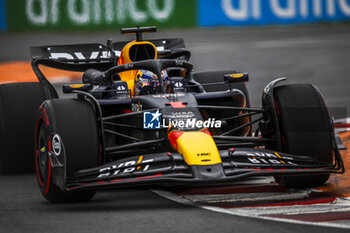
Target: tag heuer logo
{"x": 121, "y": 88}
{"x": 178, "y": 84}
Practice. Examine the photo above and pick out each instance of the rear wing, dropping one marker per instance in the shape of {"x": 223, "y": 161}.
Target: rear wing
{"x": 80, "y": 57}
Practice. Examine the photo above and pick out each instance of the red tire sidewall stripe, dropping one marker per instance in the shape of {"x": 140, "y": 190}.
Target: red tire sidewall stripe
{"x": 48, "y": 178}
{"x": 42, "y": 183}
{"x": 37, "y": 152}
{"x": 45, "y": 118}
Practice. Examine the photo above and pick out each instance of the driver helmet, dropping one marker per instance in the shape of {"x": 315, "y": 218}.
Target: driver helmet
{"x": 146, "y": 82}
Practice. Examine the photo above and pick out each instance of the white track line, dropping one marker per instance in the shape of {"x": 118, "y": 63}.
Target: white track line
{"x": 237, "y": 212}
{"x": 342, "y": 121}
{"x": 238, "y": 197}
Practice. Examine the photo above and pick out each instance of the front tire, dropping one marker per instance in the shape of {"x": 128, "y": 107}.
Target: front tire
{"x": 74, "y": 122}
{"x": 305, "y": 128}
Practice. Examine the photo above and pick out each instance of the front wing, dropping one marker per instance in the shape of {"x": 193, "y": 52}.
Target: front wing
{"x": 170, "y": 169}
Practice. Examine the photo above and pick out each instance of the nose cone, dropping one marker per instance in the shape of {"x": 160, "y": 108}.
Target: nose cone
{"x": 197, "y": 147}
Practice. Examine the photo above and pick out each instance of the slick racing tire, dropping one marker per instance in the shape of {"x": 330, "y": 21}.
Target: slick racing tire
{"x": 305, "y": 128}
{"x": 19, "y": 103}
{"x": 72, "y": 124}
{"x": 218, "y": 76}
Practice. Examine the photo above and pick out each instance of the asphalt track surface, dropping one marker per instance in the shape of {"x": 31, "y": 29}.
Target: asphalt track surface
{"x": 318, "y": 54}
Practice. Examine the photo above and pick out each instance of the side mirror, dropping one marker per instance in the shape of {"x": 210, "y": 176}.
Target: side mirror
{"x": 238, "y": 77}
{"x": 94, "y": 77}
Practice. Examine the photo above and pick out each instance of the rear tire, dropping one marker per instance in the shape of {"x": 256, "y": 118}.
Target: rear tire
{"x": 306, "y": 128}
{"x": 75, "y": 123}
{"x": 19, "y": 103}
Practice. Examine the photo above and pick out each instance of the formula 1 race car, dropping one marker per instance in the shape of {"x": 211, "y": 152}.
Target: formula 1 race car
{"x": 142, "y": 117}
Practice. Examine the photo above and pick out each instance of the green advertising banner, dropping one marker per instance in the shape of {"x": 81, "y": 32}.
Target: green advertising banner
{"x": 31, "y": 15}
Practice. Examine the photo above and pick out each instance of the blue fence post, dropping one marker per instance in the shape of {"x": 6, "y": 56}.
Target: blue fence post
{"x": 2, "y": 16}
